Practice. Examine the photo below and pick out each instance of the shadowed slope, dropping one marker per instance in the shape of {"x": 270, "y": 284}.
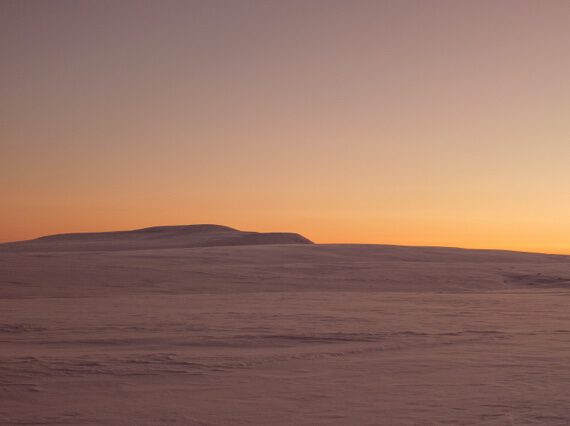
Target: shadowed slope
{"x": 275, "y": 268}
{"x": 156, "y": 237}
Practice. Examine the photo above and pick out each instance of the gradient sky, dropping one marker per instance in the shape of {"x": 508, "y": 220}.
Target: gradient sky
{"x": 428, "y": 122}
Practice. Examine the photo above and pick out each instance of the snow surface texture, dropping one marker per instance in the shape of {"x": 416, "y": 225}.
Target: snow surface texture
{"x": 280, "y": 334}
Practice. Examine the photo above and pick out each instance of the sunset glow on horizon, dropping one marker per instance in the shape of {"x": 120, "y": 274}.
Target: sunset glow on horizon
{"x": 393, "y": 122}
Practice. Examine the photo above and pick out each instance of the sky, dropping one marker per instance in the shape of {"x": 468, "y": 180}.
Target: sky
{"x": 416, "y": 122}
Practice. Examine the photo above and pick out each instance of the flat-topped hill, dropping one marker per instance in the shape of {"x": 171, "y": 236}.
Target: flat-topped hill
{"x": 180, "y": 236}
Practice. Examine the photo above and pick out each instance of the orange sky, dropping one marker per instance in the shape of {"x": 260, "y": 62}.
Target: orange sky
{"x": 433, "y": 122}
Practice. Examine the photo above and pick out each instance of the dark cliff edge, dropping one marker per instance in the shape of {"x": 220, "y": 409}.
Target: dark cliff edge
{"x": 180, "y": 236}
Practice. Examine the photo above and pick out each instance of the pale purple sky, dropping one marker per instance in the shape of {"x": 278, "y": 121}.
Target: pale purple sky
{"x": 414, "y": 122}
